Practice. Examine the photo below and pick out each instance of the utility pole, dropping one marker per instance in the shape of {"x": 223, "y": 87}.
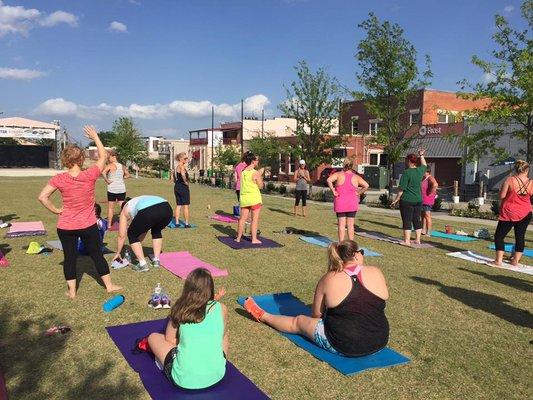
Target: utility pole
{"x": 263, "y": 123}
{"x": 212, "y": 138}
{"x": 242, "y": 127}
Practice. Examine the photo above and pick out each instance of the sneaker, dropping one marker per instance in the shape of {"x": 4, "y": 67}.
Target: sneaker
{"x": 165, "y": 301}
{"x": 187, "y": 226}
{"x": 119, "y": 263}
{"x": 140, "y": 268}
{"x": 255, "y": 311}
{"x": 155, "y": 302}
{"x": 156, "y": 263}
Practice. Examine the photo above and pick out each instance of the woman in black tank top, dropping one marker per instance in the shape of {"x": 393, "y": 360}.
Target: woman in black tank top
{"x": 181, "y": 189}
{"x": 348, "y": 314}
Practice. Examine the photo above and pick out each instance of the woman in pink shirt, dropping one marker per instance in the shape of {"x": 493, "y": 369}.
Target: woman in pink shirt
{"x": 237, "y": 177}
{"x": 347, "y": 194}
{"x": 429, "y": 187}
{"x": 77, "y": 219}
{"x": 515, "y": 212}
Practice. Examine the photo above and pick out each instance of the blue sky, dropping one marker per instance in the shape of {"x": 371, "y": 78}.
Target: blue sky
{"x": 166, "y": 62}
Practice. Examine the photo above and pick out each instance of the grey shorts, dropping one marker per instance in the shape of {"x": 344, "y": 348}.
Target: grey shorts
{"x": 426, "y": 208}
{"x": 320, "y": 338}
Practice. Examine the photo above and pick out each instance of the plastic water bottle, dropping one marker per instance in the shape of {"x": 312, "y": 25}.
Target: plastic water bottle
{"x": 127, "y": 256}
{"x": 158, "y": 289}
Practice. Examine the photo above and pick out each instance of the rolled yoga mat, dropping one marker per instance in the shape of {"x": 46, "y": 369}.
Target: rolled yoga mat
{"x": 246, "y": 243}
{"x": 509, "y": 248}
{"x": 287, "y": 304}
{"x": 182, "y": 263}
{"x": 233, "y": 386}
{"x": 452, "y": 236}
{"x": 324, "y": 241}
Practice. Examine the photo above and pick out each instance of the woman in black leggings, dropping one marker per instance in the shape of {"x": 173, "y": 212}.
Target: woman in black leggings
{"x": 77, "y": 218}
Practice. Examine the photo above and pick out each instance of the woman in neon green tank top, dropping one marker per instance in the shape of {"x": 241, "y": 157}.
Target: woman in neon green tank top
{"x": 194, "y": 347}
{"x": 251, "y": 201}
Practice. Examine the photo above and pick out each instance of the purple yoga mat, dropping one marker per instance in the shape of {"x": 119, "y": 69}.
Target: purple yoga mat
{"x": 246, "y": 243}
{"x": 234, "y": 385}
{"x": 182, "y": 263}
{"x": 225, "y": 218}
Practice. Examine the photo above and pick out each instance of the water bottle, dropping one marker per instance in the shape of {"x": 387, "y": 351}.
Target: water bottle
{"x": 127, "y": 256}
{"x": 158, "y": 289}
{"x": 113, "y": 303}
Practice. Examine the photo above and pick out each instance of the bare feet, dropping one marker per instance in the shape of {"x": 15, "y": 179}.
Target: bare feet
{"x": 70, "y": 294}
{"x": 417, "y": 241}
{"x": 112, "y": 288}
{"x": 256, "y": 241}
{"x": 408, "y": 244}
{"x": 495, "y": 264}
{"x": 238, "y": 239}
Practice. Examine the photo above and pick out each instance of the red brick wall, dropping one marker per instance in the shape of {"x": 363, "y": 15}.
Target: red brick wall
{"x": 434, "y": 100}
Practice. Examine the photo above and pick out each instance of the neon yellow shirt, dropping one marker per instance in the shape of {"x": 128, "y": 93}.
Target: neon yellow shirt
{"x": 250, "y": 194}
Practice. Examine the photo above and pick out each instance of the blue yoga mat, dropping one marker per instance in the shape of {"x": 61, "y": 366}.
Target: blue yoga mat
{"x": 452, "y": 236}
{"x": 181, "y": 225}
{"x": 324, "y": 241}
{"x": 509, "y": 248}
{"x": 287, "y": 304}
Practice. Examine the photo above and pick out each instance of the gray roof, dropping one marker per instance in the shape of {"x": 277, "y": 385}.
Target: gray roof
{"x": 436, "y": 147}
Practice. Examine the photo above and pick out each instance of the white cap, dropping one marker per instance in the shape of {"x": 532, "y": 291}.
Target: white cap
{"x": 302, "y": 162}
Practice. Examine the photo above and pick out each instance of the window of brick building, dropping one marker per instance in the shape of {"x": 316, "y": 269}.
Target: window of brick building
{"x": 373, "y": 127}
{"x": 355, "y": 124}
{"x": 414, "y": 117}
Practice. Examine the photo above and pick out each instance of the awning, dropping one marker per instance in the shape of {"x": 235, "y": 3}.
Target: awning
{"x": 436, "y": 147}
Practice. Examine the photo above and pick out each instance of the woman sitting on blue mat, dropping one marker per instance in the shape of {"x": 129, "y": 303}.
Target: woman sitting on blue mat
{"x": 193, "y": 349}
{"x": 348, "y": 313}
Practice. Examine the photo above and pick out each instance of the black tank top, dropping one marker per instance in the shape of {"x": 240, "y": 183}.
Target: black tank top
{"x": 358, "y": 325}
{"x": 178, "y": 178}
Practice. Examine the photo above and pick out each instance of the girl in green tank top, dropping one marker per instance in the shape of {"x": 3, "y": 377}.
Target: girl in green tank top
{"x": 250, "y": 200}
{"x": 194, "y": 347}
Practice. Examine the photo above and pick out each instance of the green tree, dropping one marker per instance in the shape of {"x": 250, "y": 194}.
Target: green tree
{"x": 225, "y": 156}
{"x": 313, "y": 101}
{"x": 268, "y": 148}
{"x": 9, "y": 141}
{"x": 389, "y": 76}
{"x": 106, "y": 137}
{"x": 128, "y": 142}
{"x": 508, "y": 85}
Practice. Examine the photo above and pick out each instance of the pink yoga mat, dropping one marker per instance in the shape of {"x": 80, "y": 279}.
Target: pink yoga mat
{"x": 225, "y": 218}
{"x": 26, "y": 227}
{"x": 181, "y": 263}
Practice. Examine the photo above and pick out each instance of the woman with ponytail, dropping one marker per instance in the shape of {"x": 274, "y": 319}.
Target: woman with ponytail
{"x": 348, "y": 312}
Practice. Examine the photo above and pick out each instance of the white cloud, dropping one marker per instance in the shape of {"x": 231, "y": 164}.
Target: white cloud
{"x": 18, "y": 20}
{"x": 508, "y": 9}
{"x": 20, "y": 74}
{"x": 59, "y": 17}
{"x": 192, "y": 109}
{"x": 116, "y": 26}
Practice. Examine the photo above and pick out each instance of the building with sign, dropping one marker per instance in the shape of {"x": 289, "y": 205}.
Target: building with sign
{"x": 33, "y": 144}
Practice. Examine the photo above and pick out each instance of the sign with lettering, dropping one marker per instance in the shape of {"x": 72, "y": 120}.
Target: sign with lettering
{"x": 29, "y": 133}
{"x": 431, "y": 130}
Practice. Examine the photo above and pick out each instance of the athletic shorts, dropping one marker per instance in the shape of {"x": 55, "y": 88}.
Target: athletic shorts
{"x": 426, "y": 207}
{"x": 350, "y": 214}
{"x": 183, "y": 195}
{"x": 254, "y": 207}
{"x": 154, "y": 219}
{"x": 320, "y": 338}
{"x": 116, "y": 196}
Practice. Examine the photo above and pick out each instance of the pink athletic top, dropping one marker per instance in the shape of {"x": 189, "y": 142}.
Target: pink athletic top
{"x": 238, "y": 171}
{"x": 78, "y": 198}
{"x": 428, "y": 198}
{"x": 348, "y": 198}
{"x": 517, "y": 203}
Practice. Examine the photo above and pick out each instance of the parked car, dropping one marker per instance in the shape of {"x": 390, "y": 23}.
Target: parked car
{"x": 325, "y": 174}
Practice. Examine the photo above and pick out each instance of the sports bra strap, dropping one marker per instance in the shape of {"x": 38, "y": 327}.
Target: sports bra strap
{"x": 355, "y": 271}
{"x": 522, "y": 187}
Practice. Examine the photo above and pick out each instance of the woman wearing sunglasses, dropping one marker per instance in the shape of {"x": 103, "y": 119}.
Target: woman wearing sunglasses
{"x": 348, "y": 313}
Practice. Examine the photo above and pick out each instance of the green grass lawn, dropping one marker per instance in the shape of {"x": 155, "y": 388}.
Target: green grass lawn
{"x": 466, "y": 327}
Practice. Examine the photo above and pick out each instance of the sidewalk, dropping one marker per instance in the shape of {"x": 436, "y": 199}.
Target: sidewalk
{"x": 28, "y": 172}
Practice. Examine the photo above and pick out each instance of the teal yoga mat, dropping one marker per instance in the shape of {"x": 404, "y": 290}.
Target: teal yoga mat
{"x": 324, "y": 241}
{"x": 452, "y": 236}
{"x": 509, "y": 248}
{"x": 180, "y": 225}
{"x": 287, "y": 304}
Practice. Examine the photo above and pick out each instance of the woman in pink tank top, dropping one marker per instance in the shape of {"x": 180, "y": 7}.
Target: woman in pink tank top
{"x": 345, "y": 186}
{"x": 515, "y": 212}
{"x": 428, "y": 187}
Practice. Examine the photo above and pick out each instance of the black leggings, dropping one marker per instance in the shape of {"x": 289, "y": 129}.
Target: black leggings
{"x": 93, "y": 244}
{"x": 520, "y": 228}
{"x": 411, "y": 215}
{"x": 154, "y": 219}
{"x": 300, "y": 195}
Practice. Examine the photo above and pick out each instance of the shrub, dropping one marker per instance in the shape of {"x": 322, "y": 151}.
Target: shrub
{"x": 495, "y": 207}
{"x": 384, "y": 200}
{"x": 270, "y": 187}
{"x": 438, "y": 204}
{"x": 282, "y": 189}
{"x": 473, "y": 207}
{"x": 471, "y": 212}
{"x": 319, "y": 195}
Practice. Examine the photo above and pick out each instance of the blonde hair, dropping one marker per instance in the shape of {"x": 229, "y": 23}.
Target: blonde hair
{"x": 181, "y": 155}
{"x": 349, "y": 163}
{"x": 72, "y": 155}
{"x": 112, "y": 153}
{"x": 521, "y": 166}
{"x": 340, "y": 253}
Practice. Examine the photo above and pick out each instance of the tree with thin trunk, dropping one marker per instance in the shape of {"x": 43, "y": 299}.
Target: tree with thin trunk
{"x": 508, "y": 84}
{"x": 313, "y": 100}
{"x": 389, "y": 77}
{"x": 127, "y": 141}
{"x": 269, "y": 149}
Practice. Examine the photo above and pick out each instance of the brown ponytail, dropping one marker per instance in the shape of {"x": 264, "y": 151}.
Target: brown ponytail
{"x": 340, "y": 253}
{"x": 521, "y": 166}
